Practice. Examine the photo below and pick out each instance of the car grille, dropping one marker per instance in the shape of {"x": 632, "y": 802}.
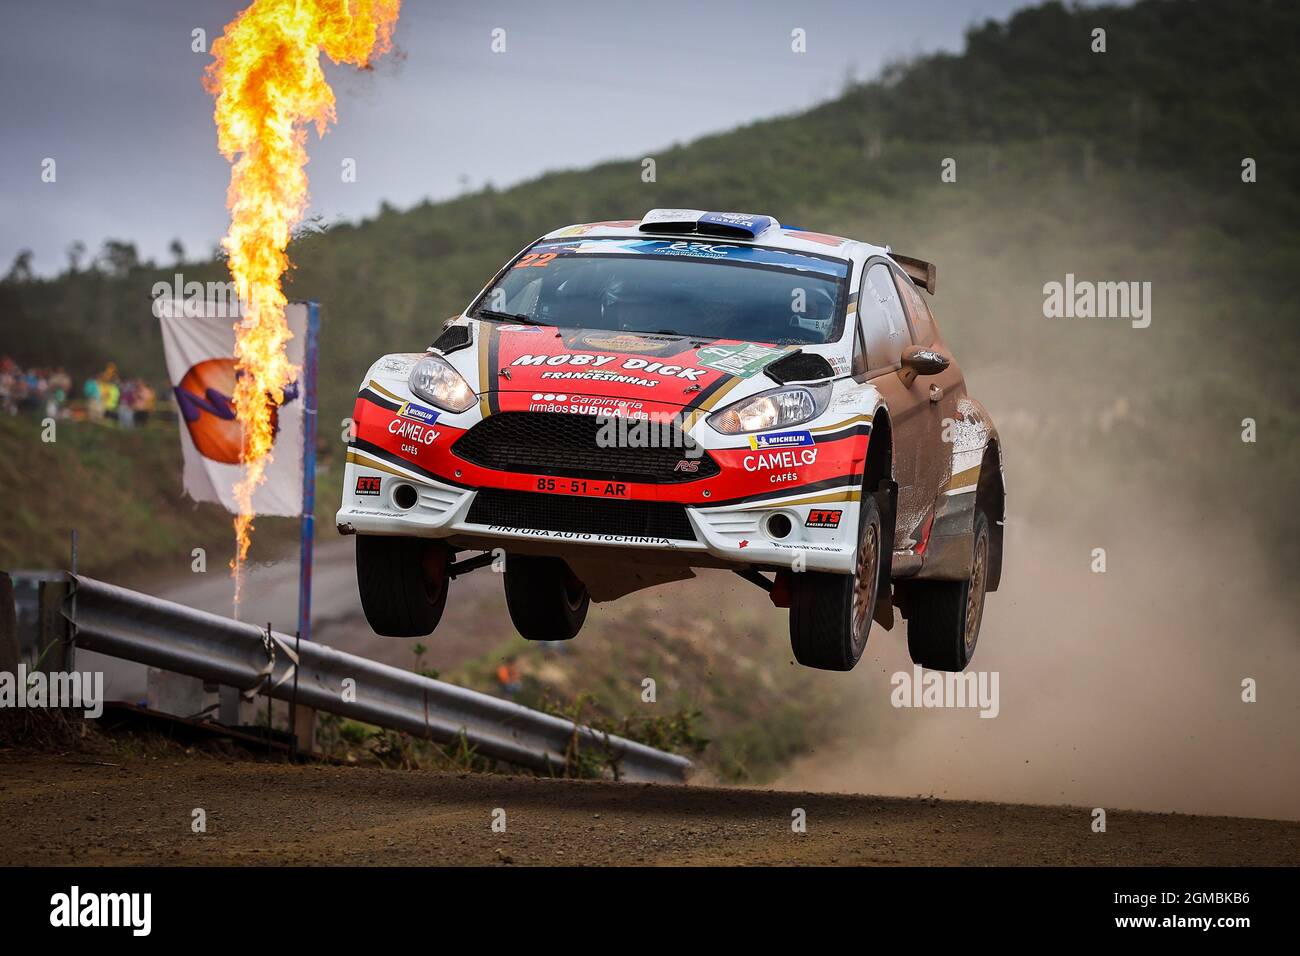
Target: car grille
{"x": 551, "y": 443}
{"x": 580, "y": 515}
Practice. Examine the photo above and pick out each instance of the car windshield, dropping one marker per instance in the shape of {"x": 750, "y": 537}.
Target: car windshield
{"x": 700, "y": 289}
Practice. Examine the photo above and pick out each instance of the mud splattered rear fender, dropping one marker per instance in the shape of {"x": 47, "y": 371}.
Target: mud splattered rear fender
{"x": 976, "y": 479}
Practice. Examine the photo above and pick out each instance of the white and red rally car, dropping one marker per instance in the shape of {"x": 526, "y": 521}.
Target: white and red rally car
{"x": 627, "y": 401}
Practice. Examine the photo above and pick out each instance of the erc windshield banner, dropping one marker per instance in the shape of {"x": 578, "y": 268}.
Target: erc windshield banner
{"x": 706, "y": 249}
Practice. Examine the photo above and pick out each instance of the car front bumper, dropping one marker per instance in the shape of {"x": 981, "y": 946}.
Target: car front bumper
{"x": 818, "y": 532}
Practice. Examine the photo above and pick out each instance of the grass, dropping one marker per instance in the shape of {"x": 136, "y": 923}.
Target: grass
{"x": 121, "y": 490}
{"x": 725, "y": 691}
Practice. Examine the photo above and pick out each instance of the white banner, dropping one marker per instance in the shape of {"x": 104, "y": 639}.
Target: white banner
{"x": 201, "y": 368}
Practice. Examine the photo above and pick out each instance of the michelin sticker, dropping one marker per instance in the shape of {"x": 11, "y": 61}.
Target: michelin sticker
{"x": 418, "y": 412}
{"x": 780, "y": 440}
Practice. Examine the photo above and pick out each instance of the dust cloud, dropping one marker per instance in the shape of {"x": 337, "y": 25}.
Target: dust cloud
{"x": 1120, "y": 689}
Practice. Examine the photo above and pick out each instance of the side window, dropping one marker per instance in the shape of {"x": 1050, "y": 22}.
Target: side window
{"x": 880, "y": 316}
{"x": 917, "y": 310}
{"x": 859, "y": 351}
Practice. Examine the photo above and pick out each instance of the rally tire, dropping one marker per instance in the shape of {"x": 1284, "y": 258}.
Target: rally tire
{"x": 403, "y": 583}
{"x": 943, "y": 617}
{"x": 546, "y": 601}
{"x": 831, "y": 614}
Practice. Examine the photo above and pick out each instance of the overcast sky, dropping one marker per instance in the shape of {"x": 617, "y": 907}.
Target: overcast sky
{"x": 110, "y": 89}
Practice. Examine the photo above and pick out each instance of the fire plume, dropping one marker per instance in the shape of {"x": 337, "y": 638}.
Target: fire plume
{"x": 269, "y": 86}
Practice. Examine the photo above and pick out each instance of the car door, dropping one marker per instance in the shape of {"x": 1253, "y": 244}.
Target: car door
{"x": 944, "y": 390}
{"x": 885, "y": 333}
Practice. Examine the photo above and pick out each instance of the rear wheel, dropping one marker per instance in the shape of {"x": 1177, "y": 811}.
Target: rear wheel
{"x": 830, "y": 614}
{"x": 943, "y": 617}
{"x": 546, "y": 600}
{"x": 403, "y": 583}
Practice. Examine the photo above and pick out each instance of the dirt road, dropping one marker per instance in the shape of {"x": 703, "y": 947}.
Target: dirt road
{"x": 140, "y": 811}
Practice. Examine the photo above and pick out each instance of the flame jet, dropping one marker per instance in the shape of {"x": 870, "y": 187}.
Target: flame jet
{"x": 269, "y": 86}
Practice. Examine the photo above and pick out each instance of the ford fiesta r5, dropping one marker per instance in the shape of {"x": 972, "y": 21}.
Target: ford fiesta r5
{"x": 628, "y": 401}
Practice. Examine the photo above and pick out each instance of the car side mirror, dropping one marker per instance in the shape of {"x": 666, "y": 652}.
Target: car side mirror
{"x": 918, "y": 360}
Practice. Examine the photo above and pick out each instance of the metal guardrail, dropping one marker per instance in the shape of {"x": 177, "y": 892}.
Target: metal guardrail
{"x": 122, "y": 623}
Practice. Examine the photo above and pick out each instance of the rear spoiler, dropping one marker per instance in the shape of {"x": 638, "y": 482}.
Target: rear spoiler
{"x": 922, "y": 273}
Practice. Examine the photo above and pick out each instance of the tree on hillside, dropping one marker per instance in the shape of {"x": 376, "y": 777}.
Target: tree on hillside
{"x": 75, "y": 253}
{"x": 21, "y": 270}
{"x": 177, "y": 250}
{"x": 118, "y": 257}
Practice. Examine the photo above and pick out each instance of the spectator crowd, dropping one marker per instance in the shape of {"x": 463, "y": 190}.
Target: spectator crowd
{"x": 104, "y": 397}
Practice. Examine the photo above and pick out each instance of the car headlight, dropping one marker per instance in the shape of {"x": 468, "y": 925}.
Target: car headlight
{"x": 435, "y": 381}
{"x": 778, "y": 408}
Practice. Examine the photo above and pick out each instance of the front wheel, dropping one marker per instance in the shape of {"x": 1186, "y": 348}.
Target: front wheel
{"x": 403, "y": 583}
{"x": 943, "y": 617}
{"x": 830, "y": 614}
{"x": 546, "y": 600}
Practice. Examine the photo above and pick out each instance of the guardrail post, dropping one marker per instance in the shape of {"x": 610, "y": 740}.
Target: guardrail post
{"x": 302, "y": 720}
{"x": 52, "y": 628}
{"x": 170, "y": 693}
{"x": 9, "y": 653}
{"x": 228, "y": 705}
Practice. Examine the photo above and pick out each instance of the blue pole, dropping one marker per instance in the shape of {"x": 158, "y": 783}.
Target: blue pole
{"x": 310, "y": 362}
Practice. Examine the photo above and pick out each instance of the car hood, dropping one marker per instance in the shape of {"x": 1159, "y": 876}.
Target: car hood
{"x": 530, "y": 367}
